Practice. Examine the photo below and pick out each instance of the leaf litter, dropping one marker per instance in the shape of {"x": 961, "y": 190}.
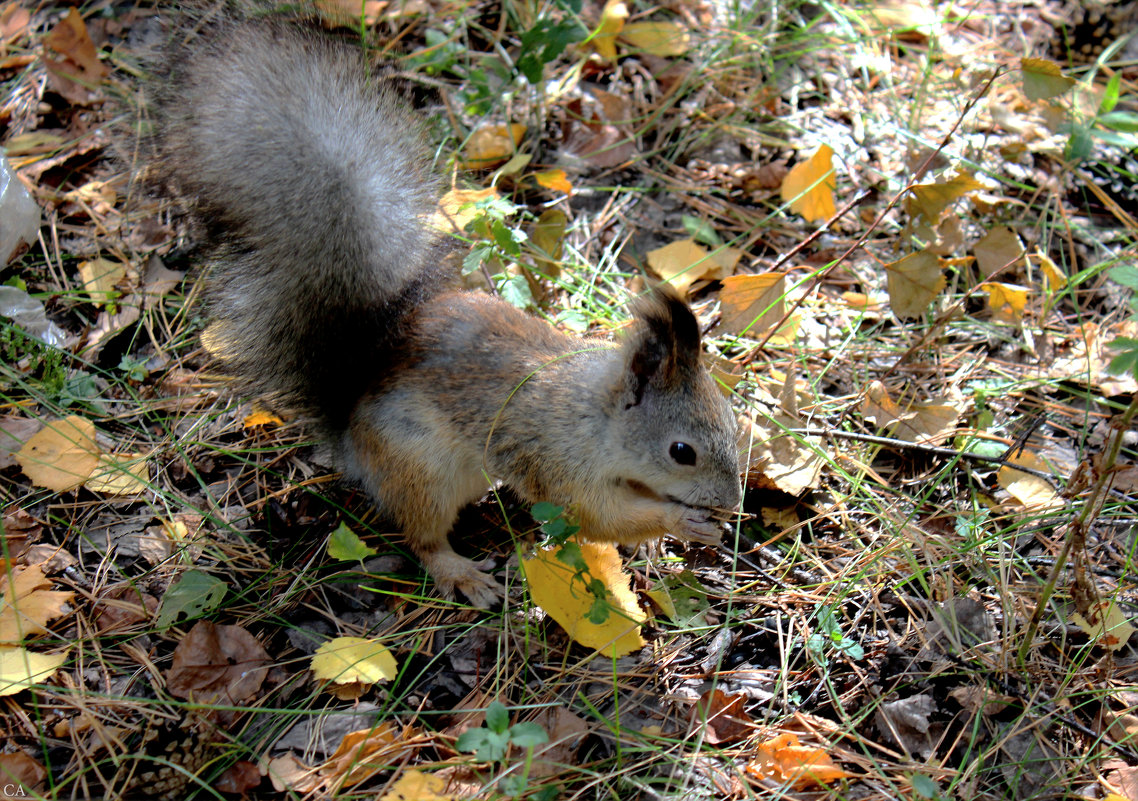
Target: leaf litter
{"x": 926, "y": 406}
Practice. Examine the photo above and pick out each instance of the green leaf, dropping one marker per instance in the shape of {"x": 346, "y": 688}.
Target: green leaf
{"x": 527, "y": 735}
{"x": 924, "y": 786}
{"x": 1080, "y": 144}
{"x": 1125, "y": 274}
{"x": 497, "y": 717}
{"x": 515, "y": 291}
{"x": 1121, "y": 121}
{"x": 1110, "y": 96}
{"x": 193, "y": 595}
{"x": 701, "y": 230}
{"x": 1127, "y": 360}
{"x": 1043, "y": 79}
{"x": 345, "y": 545}
{"x": 570, "y": 554}
{"x": 543, "y": 511}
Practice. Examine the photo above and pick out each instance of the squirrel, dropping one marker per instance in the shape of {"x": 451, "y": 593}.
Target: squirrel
{"x": 312, "y": 184}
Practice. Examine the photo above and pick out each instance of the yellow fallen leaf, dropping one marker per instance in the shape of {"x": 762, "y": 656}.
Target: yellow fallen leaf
{"x": 782, "y": 760}
{"x": 1042, "y": 79}
{"x": 353, "y": 659}
{"x": 603, "y": 40}
{"x": 1108, "y": 624}
{"x": 930, "y": 200}
{"x": 29, "y": 603}
{"x": 1052, "y": 275}
{"x": 62, "y": 455}
{"x": 491, "y": 144}
{"x": 913, "y": 282}
{"x": 565, "y": 598}
{"x": 415, "y": 785}
{"x": 556, "y": 180}
{"x": 752, "y": 304}
{"x": 1007, "y": 301}
{"x": 680, "y": 263}
{"x": 457, "y": 209}
{"x": 998, "y": 249}
{"x": 1032, "y": 491}
{"x": 121, "y": 474}
{"x": 548, "y": 237}
{"x": 364, "y": 753}
{"x": 878, "y": 407}
{"x": 666, "y": 38}
{"x": 260, "y": 417}
{"x": 100, "y": 278}
{"x": 20, "y": 668}
{"x": 809, "y": 186}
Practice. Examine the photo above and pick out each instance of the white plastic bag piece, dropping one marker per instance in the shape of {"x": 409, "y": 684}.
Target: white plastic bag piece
{"x": 19, "y": 214}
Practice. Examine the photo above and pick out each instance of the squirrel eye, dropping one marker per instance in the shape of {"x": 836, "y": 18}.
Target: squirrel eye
{"x": 682, "y": 453}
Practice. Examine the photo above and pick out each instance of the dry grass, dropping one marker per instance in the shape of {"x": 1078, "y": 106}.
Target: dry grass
{"x": 899, "y": 609}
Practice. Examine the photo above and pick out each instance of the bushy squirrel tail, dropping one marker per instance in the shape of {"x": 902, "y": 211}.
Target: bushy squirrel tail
{"x": 313, "y": 189}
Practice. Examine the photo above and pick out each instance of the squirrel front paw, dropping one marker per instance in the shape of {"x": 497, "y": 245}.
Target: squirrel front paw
{"x": 453, "y": 572}
{"x": 698, "y": 525}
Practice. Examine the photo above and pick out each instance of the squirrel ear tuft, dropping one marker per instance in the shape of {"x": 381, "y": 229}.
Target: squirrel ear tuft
{"x": 667, "y": 344}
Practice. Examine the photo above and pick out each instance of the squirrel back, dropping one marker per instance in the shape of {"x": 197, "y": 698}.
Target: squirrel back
{"x": 311, "y": 184}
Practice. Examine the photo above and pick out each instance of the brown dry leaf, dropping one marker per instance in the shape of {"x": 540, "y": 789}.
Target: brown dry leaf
{"x": 565, "y": 598}
{"x": 28, "y": 603}
{"x": 783, "y": 760}
{"x": 665, "y": 39}
{"x": 1006, "y": 301}
{"x": 997, "y": 249}
{"x": 121, "y": 474}
{"x": 289, "y": 773}
{"x": 238, "y": 779}
{"x": 217, "y": 665}
{"x": 613, "y": 16}
{"x": 122, "y": 607}
{"x": 930, "y": 200}
{"x": 157, "y": 282}
{"x": 809, "y": 186}
{"x": 363, "y": 754}
{"x": 913, "y": 283}
{"x": 926, "y": 423}
{"x": 566, "y": 735}
{"x": 491, "y": 144}
{"x": 21, "y": 769}
{"x": 776, "y": 460}
{"x": 71, "y": 59}
{"x": 20, "y": 668}
{"x": 1107, "y": 624}
{"x": 14, "y": 433}
{"x": 1032, "y": 491}
{"x": 680, "y": 263}
{"x": 722, "y": 717}
{"x": 14, "y": 21}
{"x": 62, "y": 455}
{"x": 751, "y": 304}
{"x": 878, "y": 407}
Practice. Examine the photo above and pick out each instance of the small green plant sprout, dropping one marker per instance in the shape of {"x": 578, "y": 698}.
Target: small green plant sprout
{"x": 491, "y": 743}
{"x": 829, "y": 635}
{"x": 1126, "y": 359}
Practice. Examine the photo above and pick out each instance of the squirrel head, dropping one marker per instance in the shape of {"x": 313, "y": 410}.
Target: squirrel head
{"x": 679, "y": 430}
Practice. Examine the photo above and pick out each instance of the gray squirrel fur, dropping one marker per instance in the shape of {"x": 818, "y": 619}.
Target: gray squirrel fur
{"x": 312, "y": 187}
